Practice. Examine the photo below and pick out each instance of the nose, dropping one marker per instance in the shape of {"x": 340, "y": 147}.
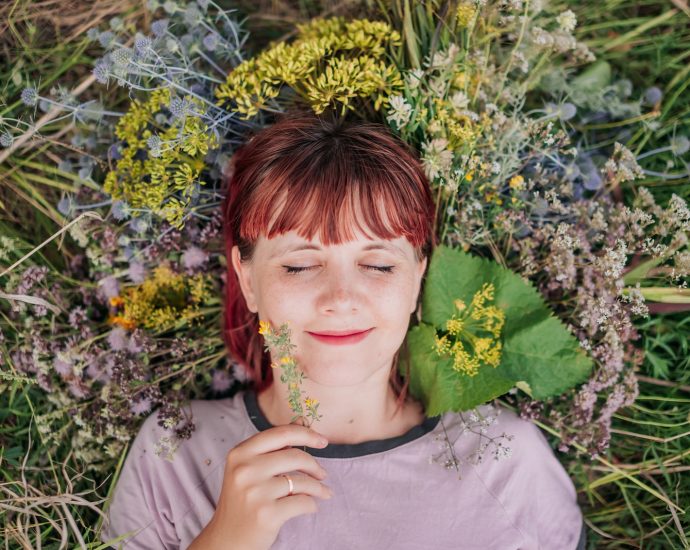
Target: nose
{"x": 339, "y": 294}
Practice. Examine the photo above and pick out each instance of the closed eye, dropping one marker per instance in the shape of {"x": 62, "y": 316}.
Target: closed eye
{"x": 382, "y": 268}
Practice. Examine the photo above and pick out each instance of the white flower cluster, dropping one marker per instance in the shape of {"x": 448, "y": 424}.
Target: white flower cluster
{"x": 478, "y": 424}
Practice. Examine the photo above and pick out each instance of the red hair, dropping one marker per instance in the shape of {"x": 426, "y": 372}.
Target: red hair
{"x": 313, "y": 174}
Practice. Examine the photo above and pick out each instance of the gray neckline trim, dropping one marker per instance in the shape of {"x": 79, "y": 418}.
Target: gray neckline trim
{"x": 343, "y": 450}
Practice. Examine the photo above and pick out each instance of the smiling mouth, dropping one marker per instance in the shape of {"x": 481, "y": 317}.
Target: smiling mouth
{"x": 351, "y": 338}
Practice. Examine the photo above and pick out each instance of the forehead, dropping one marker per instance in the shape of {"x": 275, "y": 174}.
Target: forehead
{"x": 291, "y": 241}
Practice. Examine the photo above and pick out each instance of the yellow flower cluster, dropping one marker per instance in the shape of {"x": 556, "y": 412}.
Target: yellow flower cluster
{"x": 464, "y": 15}
{"x": 473, "y": 333}
{"x": 148, "y": 176}
{"x": 162, "y": 301}
{"x": 332, "y": 61}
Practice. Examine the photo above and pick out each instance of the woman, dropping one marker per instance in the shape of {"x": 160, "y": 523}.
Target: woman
{"x": 329, "y": 227}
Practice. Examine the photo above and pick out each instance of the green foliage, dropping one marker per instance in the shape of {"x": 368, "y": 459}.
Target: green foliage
{"x": 538, "y": 350}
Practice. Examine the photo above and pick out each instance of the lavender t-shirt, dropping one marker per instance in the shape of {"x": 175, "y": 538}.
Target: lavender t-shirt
{"x": 390, "y": 493}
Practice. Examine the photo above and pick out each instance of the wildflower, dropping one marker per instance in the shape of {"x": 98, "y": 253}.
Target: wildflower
{"x": 264, "y": 327}
{"x": 6, "y": 139}
{"x": 653, "y": 95}
{"x": 279, "y": 345}
{"x": 159, "y": 27}
{"x": 679, "y": 145}
{"x": 459, "y": 100}
{"x": 122, "y": 57}
{"x": 308, "y": 65}
{"x": 567, "y": 21}
{"x": 466, "y": 340}
{"x": 163, "y": 300}
{"x": 517, "y": 182}
{"x": 211, "y": 41}
{"x": 413, "y": 78}
{"x": 102, "y": 72}
{"x": 465, "y": 14}
{"x": 437, "y": 158}
{"x": 117, "y": 339}
{"x": 622, "y": 166}
{"x": 194, "y": 257}
{"x": 29, "y": 96}
{"x": 400, "y": 111}
{"x": 220, "y": 381}
{"x": 140, "y": 406}
{"x": 110, "y": 287}
{"x": 106, "y": 38}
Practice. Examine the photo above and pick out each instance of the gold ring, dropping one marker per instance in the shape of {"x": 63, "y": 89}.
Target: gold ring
{"x": 289, "y": 479}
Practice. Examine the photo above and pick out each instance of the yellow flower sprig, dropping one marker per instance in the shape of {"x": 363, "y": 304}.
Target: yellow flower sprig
{"x": 330, "y": 63}
{"x": 161, "y": 301}
{"x": 164, "y": 177}
{"x": 473, "y": 333}
{"x": 279, "y": 345}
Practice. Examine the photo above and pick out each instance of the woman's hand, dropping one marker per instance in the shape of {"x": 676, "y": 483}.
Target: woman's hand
{"x": 253, "y": 503}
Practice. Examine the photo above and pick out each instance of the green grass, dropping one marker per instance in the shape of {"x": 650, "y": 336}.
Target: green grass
{"x": 636, "y": 496}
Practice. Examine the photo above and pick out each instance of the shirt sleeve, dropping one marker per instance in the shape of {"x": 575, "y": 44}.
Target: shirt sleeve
{"x": 140, "y": 508}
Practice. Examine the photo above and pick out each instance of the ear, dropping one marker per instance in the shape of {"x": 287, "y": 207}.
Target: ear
{"x": 421, "y": 268}
{"x": 244, "y": 272}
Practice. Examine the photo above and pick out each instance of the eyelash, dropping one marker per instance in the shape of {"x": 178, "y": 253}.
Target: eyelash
{"x": 383, "y": 269}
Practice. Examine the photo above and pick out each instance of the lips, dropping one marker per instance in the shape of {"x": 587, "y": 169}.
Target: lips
{"x": 339, "y": 332}
{"x": 340, "y": 337}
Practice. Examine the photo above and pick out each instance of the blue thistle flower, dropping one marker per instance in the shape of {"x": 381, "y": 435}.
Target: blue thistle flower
{"x": 92, "y": 33}
{"x": 122, "y": 57}
{"x": 116, "y": 23}
{"x": 6, "y": 139}
{"x": 178, "y": 107}
{"x": 29, "y": 96}
{"x": 210, "y": 41}
{"x": 66, "y": 206}
{"x": 653, "y": 95}
{"x": 102, "y": 72}
{"x": 159, "y": 27}
{"x": 142, "y": 44}
{"x": 119, "y": 210}
{"x": 106, "y": 38}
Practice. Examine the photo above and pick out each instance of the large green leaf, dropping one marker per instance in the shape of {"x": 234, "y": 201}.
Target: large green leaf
{"x": 539, "y": 354}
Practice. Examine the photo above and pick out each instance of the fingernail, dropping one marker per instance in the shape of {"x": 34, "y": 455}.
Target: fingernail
{"x": 323, "y": 442}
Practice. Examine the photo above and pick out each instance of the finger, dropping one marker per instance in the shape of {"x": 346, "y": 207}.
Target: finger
{"x": 293, "y": 506}
{"x": 286, "y": 460}
{"x": 277, "y": 438}
{"x": 279, "y": 487}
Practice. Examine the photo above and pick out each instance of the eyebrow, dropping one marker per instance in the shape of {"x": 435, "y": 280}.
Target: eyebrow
{"x": 374, "y": 246}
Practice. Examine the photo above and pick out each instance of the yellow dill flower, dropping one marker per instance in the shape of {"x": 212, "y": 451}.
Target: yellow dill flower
{"x": 309, "y": 402}
{"x": 469, "y": 176}
{"x": 454, "y": 326}
{"x": 473, "y": 338}
{"x": 442, "y": 345}
{"x": 464, "y": 14}
{"x": 148, "y": 181}
{"x": 330, "y": 63}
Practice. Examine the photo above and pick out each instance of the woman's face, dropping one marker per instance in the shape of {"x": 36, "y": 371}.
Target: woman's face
{"x": 360, "y": 285}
